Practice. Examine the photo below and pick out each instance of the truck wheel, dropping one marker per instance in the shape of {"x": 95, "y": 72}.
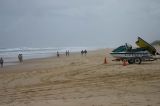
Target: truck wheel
{"x": 131, "y": 61}
{"x": 137, "y": 60}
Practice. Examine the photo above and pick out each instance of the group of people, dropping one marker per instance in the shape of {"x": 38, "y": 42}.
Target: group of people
{"x": 84, "y": 52}
{"x": 67, "y": 52}
{"x": 20, "y": 58}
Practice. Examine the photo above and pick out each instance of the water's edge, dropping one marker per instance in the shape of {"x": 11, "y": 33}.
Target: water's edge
{"x": 10, "y": 56}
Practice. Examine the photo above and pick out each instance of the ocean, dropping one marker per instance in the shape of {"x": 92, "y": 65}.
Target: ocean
{"x": 10, "y": 55}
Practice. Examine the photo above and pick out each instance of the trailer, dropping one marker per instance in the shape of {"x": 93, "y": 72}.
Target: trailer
{"x": 145, "y": 52}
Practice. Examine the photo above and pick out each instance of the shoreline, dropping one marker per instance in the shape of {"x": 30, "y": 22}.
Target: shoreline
{"x": 26, "y": 61}
{"x": 10, "y": 56}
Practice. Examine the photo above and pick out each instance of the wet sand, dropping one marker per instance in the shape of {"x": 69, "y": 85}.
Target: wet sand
{"x": 80, "y": 81}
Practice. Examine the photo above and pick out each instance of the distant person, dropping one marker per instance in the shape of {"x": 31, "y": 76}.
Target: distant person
{"x": 68, "y": 53}
{"x": 58, "y": 54}
{"x": 20, "y": 57}
{"x": 82, "y": 52}
{"x": 1, "y": 62}
{"x": 85, "y": 51}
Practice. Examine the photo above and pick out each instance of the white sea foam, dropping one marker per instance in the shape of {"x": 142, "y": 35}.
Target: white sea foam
{"x": 10, "y": 55}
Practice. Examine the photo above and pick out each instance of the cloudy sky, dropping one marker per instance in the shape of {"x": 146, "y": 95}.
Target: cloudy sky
{"x": 61, "y": 23}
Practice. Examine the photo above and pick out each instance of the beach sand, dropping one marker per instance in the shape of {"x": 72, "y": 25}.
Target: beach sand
{"x": 80, "y": 81}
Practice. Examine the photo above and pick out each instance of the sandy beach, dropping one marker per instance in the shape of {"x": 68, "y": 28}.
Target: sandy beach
{"x": 80, "y": 81}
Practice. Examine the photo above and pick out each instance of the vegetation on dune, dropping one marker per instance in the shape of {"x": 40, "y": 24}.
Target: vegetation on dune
{"x": 157, "y": 42}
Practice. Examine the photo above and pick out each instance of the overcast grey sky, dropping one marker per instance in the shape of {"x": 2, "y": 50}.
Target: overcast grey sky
{"x": 52, "y": 23}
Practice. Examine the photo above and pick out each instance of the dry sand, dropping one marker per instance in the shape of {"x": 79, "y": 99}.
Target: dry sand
{"x": 80, "y": 81}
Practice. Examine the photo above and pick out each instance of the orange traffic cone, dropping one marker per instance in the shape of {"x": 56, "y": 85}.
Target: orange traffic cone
{"x": 105, "y": 60}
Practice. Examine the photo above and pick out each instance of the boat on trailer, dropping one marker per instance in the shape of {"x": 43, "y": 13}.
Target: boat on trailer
{"x": 145, "y": 52}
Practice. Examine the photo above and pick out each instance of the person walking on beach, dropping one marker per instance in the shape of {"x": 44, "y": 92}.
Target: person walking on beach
{"x": 20, "y": 57}
{"x": 68, "y": 53}
{"x": 85, "y": 51}
{"x": 58, "y": 54}
{"x": 82, "y": 52}
{"x": 1, "y": 62}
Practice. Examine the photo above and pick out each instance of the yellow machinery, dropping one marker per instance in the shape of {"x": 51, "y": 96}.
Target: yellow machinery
{"x": 143, "y": 44}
